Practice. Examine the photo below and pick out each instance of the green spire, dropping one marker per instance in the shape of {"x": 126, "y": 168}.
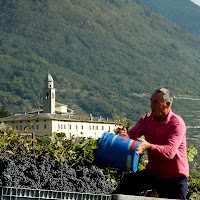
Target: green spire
{"x": 48, "y": 77}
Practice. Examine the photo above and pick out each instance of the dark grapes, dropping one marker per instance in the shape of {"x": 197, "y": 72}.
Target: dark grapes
{"x": 45, "y": 173}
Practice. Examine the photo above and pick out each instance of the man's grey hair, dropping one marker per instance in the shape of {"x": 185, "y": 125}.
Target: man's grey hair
{"x": 167, "y": 95}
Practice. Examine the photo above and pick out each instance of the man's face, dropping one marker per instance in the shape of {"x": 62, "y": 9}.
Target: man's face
{"x": 159, "y": 108}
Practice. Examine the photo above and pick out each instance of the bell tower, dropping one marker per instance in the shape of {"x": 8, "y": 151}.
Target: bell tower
{"x": 49, "y": 95}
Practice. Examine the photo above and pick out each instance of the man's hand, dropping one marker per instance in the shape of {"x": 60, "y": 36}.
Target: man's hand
{"x": 122, "y": 132}
{"x": 144, "y": 145}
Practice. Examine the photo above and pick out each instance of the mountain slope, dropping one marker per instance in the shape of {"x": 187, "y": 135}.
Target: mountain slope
{"x": 100, "y": 54}
{"x": 183, "y": 13}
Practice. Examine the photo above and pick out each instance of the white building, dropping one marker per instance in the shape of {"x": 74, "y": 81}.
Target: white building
{"x": 57, "y": 117}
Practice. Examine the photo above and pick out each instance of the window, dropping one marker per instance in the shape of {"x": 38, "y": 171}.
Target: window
{"x": 13, "y": 122}
{"x": 58, "y": 126}
{"x": 16, "y": 127}
{"x": 89, "y": 127}
{"x": 52, "y": 95}
{"x": 21, "y": 128}
{"x": 64, "y": 126}
{"x": 37, "y": 126}
{"x": 20, "y": 121}
{"x": 82, "y": 126}
{"x": 109, "y": 129}
{"x": 47, "y": 95}
{"x": 61, "y": 126}
{"x": 96, "y": 127}
{"x": 102, "y": 127}
{"x": 45, "y": 126}
{"x": 76, "y": 127}
{"x": 70, "y": 126}
{"x": 93, "y": 127}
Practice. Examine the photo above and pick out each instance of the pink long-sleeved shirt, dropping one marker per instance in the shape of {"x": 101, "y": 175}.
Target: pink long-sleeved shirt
{"x": 168, "y": 155}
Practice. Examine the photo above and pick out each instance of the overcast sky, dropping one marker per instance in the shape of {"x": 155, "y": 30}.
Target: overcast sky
{"x": 196, "y": 2}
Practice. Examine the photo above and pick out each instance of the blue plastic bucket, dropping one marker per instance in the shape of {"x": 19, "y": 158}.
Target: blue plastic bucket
{"x": 117, "y": 152}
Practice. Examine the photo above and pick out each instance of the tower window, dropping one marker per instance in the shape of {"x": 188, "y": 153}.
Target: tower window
{"x": 47, "y": 95}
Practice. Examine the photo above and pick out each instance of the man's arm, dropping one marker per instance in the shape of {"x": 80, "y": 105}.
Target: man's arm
{"x": 135, "y": 133}
{"x": 144, "y": 145}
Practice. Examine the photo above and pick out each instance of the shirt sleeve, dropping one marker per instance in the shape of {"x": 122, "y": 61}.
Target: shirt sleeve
{"x": 177, "y": 132}
{"x": 137, "y": 130}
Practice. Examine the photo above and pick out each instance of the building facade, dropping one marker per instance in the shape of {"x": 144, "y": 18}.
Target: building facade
{"x": 57, "y": 117}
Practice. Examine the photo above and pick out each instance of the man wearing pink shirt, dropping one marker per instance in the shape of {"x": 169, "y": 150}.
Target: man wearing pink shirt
{"x": 165, "y": 141}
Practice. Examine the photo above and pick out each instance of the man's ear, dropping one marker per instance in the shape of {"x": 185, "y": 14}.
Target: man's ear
{"x": 168, "y": 104}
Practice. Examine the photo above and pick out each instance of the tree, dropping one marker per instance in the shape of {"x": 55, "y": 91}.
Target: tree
{"x": 3, "y": 112}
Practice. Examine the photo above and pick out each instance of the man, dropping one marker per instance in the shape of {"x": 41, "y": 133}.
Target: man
{"x": 165, "y": 141}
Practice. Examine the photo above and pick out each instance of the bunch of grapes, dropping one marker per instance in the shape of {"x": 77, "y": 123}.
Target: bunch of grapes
{"x": 43, "y": 172}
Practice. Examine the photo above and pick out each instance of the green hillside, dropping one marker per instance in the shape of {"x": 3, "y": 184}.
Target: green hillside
{"x": 183, "y": 13}
{"x": 101, "y": 54}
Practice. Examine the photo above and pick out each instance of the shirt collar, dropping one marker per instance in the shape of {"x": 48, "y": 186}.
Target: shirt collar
{"x": 166, "y": 120}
